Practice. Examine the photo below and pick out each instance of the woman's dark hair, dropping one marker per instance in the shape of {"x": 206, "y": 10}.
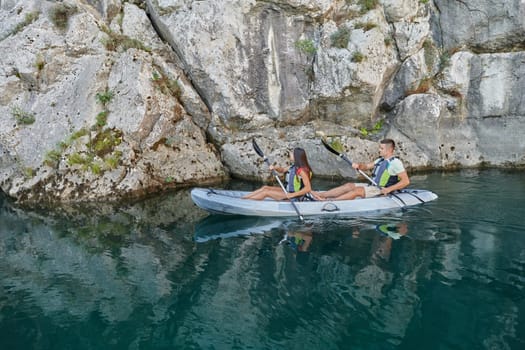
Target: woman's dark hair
{"x": 300, "y": 160}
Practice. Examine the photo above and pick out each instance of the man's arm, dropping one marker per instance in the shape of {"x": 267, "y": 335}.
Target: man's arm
{"x": 363, "y": 166}
{"x": 404, "y": 181}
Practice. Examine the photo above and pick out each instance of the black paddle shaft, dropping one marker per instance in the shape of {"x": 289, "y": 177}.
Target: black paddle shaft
{"x": 341, "y": 155}
{"x": 265, "y": 159}
{"x": 274, "y": 173}
{"x": 346, "y": 159}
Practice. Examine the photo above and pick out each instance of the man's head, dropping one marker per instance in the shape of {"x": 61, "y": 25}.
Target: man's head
{"x": 388, "y": 142}
{"x": 386, "y": 147}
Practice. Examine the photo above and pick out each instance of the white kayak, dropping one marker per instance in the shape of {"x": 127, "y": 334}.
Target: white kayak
{"x": 231, "y": 202}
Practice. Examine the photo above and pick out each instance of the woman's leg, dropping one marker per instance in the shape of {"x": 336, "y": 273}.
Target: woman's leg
{"x": 266, "y": 191}
{"x": 255, "y": 193}
{"x": 276, "y": 193}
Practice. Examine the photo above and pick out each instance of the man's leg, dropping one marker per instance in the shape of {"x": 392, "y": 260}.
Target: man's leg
{"x": 358, "y": 191}
{"x": 337, "y": 191}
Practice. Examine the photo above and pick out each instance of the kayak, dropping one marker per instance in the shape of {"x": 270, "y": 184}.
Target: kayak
{"x": 231, "y": 202}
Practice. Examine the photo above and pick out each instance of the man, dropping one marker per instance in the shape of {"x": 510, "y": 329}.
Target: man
{"x": 388, "y": 172}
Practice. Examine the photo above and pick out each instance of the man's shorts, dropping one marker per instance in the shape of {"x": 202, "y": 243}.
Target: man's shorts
{"x": 370, "y": 190}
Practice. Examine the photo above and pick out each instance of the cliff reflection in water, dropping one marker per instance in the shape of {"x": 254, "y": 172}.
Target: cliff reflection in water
{"x": 162, "y": 274}
{"x": 74, "y": 261}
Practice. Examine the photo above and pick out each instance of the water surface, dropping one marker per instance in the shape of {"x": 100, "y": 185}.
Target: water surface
{"x": 162, "y": 274}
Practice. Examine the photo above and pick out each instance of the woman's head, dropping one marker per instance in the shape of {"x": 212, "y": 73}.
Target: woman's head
{"x": 300, "y": 160}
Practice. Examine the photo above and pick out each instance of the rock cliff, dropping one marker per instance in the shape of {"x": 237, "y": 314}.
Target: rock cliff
{"x": 111, "y": 99}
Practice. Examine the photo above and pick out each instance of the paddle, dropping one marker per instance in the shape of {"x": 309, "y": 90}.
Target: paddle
{"x": 345, "y": 158}
{"x": 274, "y": 173}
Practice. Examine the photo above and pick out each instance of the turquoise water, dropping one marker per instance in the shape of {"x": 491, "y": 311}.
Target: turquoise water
{"x": 162, "y": 274}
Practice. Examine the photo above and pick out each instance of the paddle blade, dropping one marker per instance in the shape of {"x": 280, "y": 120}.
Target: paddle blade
{"x": 257, "y": 148}
{"x": 331, "y": 149}
{"x": 328, "y": 147}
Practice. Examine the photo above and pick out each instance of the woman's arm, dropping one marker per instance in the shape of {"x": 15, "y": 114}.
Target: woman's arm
{"x": 279, "y": 169}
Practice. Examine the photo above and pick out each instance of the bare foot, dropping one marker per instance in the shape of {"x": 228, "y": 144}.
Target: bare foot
{"x": 317, "y": 196}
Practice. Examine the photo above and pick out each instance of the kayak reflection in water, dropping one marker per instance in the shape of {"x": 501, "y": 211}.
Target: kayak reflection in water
{"x": 298, "y": 180}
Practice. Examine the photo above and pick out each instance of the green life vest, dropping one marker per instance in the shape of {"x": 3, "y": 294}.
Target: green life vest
{"x": 294, "y": 182}
{"x": 381, "y": 175}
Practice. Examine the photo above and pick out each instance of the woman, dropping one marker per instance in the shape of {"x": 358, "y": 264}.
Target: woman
{"x": 299, "y": 176}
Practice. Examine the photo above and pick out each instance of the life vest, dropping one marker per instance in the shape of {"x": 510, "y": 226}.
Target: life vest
{"x": 293, "y": 182}
{"x": 381, "y": 175}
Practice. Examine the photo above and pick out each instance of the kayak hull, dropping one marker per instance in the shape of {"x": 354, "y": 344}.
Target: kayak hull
{"x": 231, "y": 202}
